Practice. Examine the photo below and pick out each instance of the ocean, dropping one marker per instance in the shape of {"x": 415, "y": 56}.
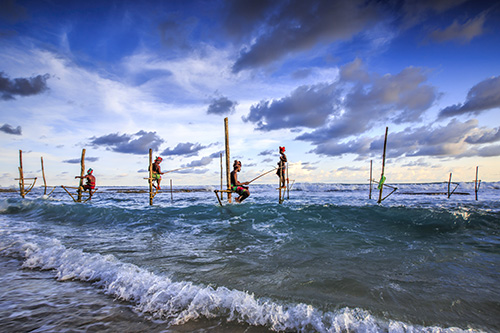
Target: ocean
{"x": 328, "y": 259}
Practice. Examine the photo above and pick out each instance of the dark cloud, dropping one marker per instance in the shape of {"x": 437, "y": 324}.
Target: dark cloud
{"x": 359, "y": 146}
{"x": 138, "y": 143}
{"x": 187, "y": 149}
{"x": 242, "y": 17}
{"x": 456, "y": 139}
{"x": 482, "y": 97}
{"x": 463, "y": 33}
{"x": 372, "y": 98}
{"x": 287, "y": 27}
{"x": 78, "y": 160}
{"x": 198, "y": 163}
{"x": 266, "y": 152}
{"x": 217, "y": 154}
{"x": 484, "y": 135}
{"x": 221, "y": 106}
{"x": 11, "y": 130}
{"x": 307, "y": 106}
{"x": 22, "y": 86}
{"x": 416, "y": 11}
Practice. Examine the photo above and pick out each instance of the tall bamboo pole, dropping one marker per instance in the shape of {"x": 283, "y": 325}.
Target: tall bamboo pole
{"x": 221, "y": 176}
{"x": 476, "y": 187}
{"x": 371, "y": 177}
{"x": 150, "y": 177}
{"x": 449, "y": 185}
{"x": 228, "y": 159}
{"x": 43, "y": 175}
{"x": 279, "y": 186}
{"x": 287, "y": 183}
{"x": 383, "y": 166}
{"x": 171, "y": 191}
{"x": 21, "y": 174}
{"x": 82, "y": 173}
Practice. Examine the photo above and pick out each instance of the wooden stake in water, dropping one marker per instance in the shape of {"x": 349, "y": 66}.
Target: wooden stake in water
{"x": 371, "y": 176}
{"x": 228, "y": 159}
{"x": 476, "y": 183}
{"x": 449, "y": 185}
{"x": 171, "y": 192}
{"x": 221, "y": 176}
{"x": 279, "y": 187}
{"x": 82, "y": 173}
{"x": 287, "y": 183}
{"x": 383, "y": 166}
{"x": 151, "y": 195}
{"x": 44, "y": 181}
{"x": 21, "y": 174}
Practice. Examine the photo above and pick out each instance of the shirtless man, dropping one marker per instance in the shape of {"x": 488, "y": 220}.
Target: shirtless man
{"x": 237, "y": 186}
{"x": 282, "y": 167}
{"x": 157, "y": 172}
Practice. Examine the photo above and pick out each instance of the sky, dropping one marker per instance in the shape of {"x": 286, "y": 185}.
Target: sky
{"x": 324, "y": 78}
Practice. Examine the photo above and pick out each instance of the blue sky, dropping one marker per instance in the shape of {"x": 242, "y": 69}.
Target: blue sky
{"x": 322, "y": 78}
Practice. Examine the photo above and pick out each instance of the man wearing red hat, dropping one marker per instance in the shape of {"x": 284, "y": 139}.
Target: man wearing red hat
{"x": 157, "y": 172}
{"x": 282, "y": 166}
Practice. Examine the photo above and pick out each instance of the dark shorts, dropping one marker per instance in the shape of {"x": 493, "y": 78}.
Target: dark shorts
{"x": 88, "y": 187}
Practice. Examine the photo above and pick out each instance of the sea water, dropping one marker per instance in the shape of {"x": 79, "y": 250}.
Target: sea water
{"x": 328, "y": 259}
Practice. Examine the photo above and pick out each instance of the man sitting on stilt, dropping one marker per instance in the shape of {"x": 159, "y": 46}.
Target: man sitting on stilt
{"x": 236, "y": 186}
{"x": 90, "y": 185}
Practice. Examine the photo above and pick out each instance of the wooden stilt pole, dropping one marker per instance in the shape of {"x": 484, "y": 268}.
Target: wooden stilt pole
{"x": 221, "y": 176}
{"x": 449, "y": 184}
{"x": 44, "y": 180}
{"x": 371, "y": 177}
{"x": 476, "y": 183}
{"x": 171, "y": 192}
{"x": 151, "y": 195}
{"x": 228, "y": 159}
{"x": 82, "y": 173}
{"x": 279, "y": 187}
{"x": 21, "y": 174}
{"x": 287, "y": 183}
{"x": 383, "y": 167}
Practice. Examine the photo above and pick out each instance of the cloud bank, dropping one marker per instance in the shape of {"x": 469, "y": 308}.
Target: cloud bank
{"x": 138, "y": 143}
{"x": 22, "y": 86}
{"x": 6, "y": 128}
{"x": 482, "y": 97}
{"x": 186, "y": 149}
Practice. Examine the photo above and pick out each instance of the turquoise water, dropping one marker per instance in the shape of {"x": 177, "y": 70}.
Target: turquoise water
{"x": 326, "y": 260}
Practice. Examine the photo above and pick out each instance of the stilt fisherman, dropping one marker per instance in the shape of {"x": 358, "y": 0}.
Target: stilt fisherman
{"x": 157, "y": 172}
{"x": 237, "y": 186}
{"x": 90, "y": 185}
{"x": 282, "y": 167}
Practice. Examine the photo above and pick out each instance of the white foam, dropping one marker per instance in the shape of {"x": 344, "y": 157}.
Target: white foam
{"x": 180, "y": 302}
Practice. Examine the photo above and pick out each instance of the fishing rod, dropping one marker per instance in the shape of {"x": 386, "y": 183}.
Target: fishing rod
{"x": 189, "y": 167}
{"x": 265, "y": 173}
